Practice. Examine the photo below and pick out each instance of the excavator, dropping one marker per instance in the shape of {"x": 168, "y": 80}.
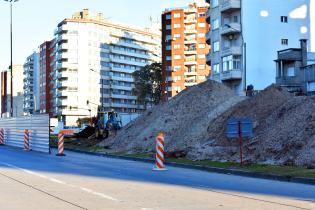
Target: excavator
{"x": 108, "y": 122}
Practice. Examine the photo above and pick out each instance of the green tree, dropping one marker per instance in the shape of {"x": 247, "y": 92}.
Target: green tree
{"x": 148, "y": 82}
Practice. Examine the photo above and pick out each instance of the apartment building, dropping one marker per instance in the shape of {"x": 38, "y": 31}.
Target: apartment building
{"x": 17, "y": 91}
{"x": 31, "y": 84}
{"x": 94, "y": 61}
{"x": 184, "y": 48}
{"x": 45, "y": 69}
{"x": 246, "y": 35}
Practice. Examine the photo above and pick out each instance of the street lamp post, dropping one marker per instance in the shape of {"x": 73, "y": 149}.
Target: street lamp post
{"x": 244, "y": 53}
{"x": 11, "y": 55}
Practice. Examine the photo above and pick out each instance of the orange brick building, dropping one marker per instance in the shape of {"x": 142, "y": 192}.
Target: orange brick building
{"x": 184, "y": 49}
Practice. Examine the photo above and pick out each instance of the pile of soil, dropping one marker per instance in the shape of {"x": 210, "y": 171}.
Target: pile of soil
{"x": 183, "y": 119}
{"x": 284, "y": 131}
{"x": 194, "y": 123}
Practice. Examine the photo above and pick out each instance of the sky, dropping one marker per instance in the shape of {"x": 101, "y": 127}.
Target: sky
{"x": 34, "y": 21}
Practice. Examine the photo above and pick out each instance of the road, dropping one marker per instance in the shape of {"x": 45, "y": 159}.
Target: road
{"x": 31, "y": 180}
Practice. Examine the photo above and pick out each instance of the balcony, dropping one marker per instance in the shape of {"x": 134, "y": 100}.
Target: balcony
{"x": 234, "y": 50}
{"x": 190, "y": 73}
{"x": 190, "y": 62}
{"x": 235, "y": 74}
{"x": 230, "y": 5}
{"x": 130, "y": 62}
{"x": 189, "y": 83}
{"x": 234, "y": 29}
{"x": 190, "y": 20}
{"x": 288, "y": 81}
{"x": 134, "y": 54}
{"x": 190, "y": 41}
{"x": 125, "y": 79}
{"x": 190, "y": 31}
{"x": 118, "y": 96}
{"x": 190, "y": 52}
{"x": 208, "y": 37}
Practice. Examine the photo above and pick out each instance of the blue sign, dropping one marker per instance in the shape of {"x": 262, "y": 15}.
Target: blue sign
{"x": 246, "y": 125}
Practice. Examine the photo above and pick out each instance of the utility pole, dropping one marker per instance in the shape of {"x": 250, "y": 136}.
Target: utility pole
{"x": 11, "y": 57}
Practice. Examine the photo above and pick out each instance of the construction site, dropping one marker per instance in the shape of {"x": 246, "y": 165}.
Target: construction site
{"x": 194, "y": 124}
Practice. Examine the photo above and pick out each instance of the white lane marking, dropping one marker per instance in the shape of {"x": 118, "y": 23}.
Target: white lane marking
{"x": 62, "y": 182}
{"x": 57, "y": 181}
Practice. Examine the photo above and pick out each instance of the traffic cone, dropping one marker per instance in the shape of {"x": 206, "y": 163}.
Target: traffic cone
{"x": 159, "y": 157}
{"x": 1, "y": 136}
{"x": 60, "y": 144}
{"x": 26, "y": 140}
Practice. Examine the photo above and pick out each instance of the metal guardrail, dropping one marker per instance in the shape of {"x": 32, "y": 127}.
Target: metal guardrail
{"x": 38, "y": 126}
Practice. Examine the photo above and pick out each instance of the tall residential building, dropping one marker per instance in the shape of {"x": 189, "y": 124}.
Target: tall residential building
{"x": 17, "y": 91}
{"x": 31, "y": 84}
{"x": 94, "y": 60}
{"x": 184, "y": 48}
{"x": 246, "y": 35}
{"x": 45, "y": 70}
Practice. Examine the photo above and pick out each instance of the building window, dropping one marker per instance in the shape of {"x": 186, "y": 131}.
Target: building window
{"x": 229, "y": 63}
{"x": 176, "y": 15}
{"x": 177, "y": 68}
{"x": 215, "y": 24}
{"x": 176, "y": 46}
{"x": 201, "y": 67}
{"x": 202, "y": 35}
{"x": 235, "y": 19}
{"x": 202, "y": 14}
{"x": 202, "y": 56}
{"x": 201, "y": 46}
{"x": 284, "y": 19}
{"x": 168, "y": 17}
{"x": 168, "y": 47}
{"x": 214, "y": 3}
{"x": 201, "y": 25}
{"x": 176, "y": 36}
{"x": 168, "y": 58}
{"x": 168, "y": 37}
{"x": 177, "y": 25}
{"x": 168, "y": 68}
{"x": 284, "y": 41}
{"x": 216, "y": 46}
{"x": 168, "y": 27}
{"x": 177, "y": 57}
{"x": 290, "y": 72}
{"x": 216, "y": 68}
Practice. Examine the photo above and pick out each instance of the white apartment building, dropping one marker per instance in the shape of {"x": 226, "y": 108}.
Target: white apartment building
{"x": 31, "y": 84}
{"x": 94, "y": 60}
{"x": 246, "y": 35}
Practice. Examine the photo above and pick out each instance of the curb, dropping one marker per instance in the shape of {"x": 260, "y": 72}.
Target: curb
{"x": 237, "y": 172}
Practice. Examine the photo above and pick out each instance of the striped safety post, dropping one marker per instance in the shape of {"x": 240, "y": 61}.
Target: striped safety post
{"x": 26, "y": 140}
{"x": 60, "y": 144}
{"x": 159, "y": 157}
{"x": 1, "y": 136}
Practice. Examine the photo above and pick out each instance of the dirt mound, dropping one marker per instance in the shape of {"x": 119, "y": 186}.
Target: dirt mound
{"x": 184, "y": 120}
{"x": 283, "y": 131}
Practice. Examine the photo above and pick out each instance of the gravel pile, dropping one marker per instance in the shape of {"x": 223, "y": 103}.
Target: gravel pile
{"x": 284, "y": 131}
{"x": 183, "y": 119}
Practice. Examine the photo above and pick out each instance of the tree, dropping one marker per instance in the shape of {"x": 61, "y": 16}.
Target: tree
{"x": 148, "y": 82}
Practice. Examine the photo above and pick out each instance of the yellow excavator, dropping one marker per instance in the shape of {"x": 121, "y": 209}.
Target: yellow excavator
{"x": 107, "y": 124}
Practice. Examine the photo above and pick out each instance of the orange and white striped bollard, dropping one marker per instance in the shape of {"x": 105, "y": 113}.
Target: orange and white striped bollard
{"x": 60, "y": 144}
{"x": 1, "y": 136}
{"x": 159, "y": 157}
{"x": 26, "y": 140}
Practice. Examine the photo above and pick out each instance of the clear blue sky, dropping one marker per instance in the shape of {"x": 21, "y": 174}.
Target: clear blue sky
{"x": 35, "y": 20}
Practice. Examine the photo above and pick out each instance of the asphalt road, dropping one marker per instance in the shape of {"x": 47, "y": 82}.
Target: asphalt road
{"x": 31, "y": 180}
